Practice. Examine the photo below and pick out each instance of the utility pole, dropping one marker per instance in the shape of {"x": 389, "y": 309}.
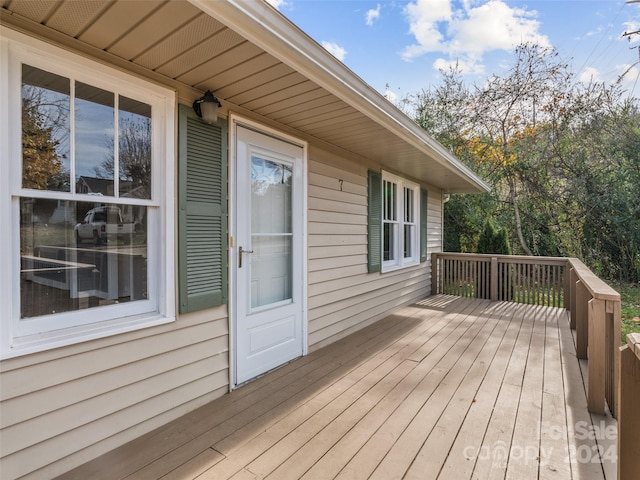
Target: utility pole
{"x": 637, "y": 32}
{"x": 628, "y": 34}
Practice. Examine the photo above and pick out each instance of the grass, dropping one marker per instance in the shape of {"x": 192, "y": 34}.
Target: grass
{"x": 630, "y": 297}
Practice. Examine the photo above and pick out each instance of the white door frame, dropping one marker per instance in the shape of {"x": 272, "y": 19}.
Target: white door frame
{"x": 236, "y": 120}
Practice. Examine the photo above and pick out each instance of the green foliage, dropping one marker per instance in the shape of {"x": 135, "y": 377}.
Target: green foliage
{"x": 562, "y": 158}
{"x": 630, "y": 297}
{"x": 493, "y": 240}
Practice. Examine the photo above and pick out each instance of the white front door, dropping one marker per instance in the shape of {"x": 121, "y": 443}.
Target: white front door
{"x": 268, "y": 256}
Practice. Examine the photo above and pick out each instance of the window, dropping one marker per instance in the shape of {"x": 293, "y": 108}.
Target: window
{"x": 385, "y": 233}
{"x": 400, "y": 216}
{"x": 87, "y": 153}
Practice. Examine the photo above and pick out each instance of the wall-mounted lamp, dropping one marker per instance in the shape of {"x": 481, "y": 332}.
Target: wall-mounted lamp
{"x": 207, "y": 107}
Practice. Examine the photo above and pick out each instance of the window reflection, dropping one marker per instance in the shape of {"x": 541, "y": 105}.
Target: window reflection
{"x": 68, "y": 265}
{"x": 45, "y": 130}
{"x": 134, "y": 148}
{"x": 98, "y": 160}
{"x": 94, "y": 133}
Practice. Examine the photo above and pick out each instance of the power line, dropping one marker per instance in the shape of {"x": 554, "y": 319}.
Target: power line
{"x": 601, "y": 38}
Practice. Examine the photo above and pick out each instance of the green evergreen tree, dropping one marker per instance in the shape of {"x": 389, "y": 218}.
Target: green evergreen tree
{"x": 493, "y": 240}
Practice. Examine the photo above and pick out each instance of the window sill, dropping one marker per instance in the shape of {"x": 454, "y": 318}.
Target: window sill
{"x": 393, "y": 268}
{"x": 70, "y": 336}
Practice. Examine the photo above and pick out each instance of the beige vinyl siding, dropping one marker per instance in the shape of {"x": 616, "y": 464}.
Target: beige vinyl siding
{"x": 79, "y": 402}
{"x": 343, "y": 297}
{"x": 434, "y": 225}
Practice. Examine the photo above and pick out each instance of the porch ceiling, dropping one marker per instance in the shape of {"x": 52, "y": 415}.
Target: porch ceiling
{"x": 254, "y": 59}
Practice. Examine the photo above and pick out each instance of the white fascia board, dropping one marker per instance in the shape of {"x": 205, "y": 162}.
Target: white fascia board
{"x": 264, "y": 26}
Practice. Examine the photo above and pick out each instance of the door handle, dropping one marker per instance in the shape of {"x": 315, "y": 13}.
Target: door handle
{"x": 240, "y": 252}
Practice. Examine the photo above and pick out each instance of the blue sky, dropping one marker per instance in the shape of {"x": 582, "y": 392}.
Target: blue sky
{"x": 397, "y": 46}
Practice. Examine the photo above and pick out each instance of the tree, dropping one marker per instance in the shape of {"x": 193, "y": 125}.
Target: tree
{"x": 40, "y": 161}
{"x": 507, "y": 112}
{"x": 493, "y": 240}
{"x": 562, "y": 158}
{"x": 134, "y": 158}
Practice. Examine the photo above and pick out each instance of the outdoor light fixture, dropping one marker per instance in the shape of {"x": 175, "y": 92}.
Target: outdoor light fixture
{"x": 207, "y": 107}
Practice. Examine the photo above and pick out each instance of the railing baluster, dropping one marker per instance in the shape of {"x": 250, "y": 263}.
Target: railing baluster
{"x": 554, "y": 290}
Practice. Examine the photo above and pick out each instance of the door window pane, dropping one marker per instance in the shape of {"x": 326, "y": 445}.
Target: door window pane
{"x": 271, "y": 232}
{"x": 270, "y": 269}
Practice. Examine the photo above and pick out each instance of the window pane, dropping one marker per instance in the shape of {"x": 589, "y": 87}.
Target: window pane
{"x": 134, "y": 148}
{"x": 45, "y": 130}
{"x": 389, "y": 242}
{"x": 408, "y": 240}
{"x": 65, "y": 266}
{"x": 408, "y": 205}
{"x": 390, "y": 201}
{"x": 94, "y": 137}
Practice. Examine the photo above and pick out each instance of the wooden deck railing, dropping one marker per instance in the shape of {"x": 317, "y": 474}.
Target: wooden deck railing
{"x": 628, "y": 416}
{"x": 595, "y": 315}
{"x": 613, "y": 371}
{"x": 532, "y": 280}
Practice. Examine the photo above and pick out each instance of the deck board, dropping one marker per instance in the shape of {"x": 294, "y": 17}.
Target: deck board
{"x": 448, "y": 388}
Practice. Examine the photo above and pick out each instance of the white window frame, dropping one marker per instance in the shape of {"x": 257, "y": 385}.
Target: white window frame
{"x": 19, "y": 337}
{"x": 398, "y": 221}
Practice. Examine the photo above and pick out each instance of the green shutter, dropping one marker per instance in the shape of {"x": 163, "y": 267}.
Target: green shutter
{"x": 423, "y": 224}
{"x": 202, "y": 211}
{"x": 375, "y": 222}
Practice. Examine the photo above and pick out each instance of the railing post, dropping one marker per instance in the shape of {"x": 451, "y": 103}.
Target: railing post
{"x": 494, "y": 279}
{"x": 582, "y": 319}
{"x": 435, "y": 273}
{"x": 573, "y": 280}
{"x": 614, "y": 318}
{"x": 629, "y": 414}
{"x": 566, "y": 277}
{"x": 597, "y": 354}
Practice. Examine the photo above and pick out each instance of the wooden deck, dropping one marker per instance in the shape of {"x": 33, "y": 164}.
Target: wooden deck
{"x": 447, "y": 388}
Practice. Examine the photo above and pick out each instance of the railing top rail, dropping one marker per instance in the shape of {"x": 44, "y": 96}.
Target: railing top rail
{"x": 596, "y": 286}
{"x": 505, "y": 258}
{"x": 633, "y": 340}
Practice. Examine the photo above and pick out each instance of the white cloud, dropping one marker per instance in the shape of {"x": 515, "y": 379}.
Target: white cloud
{"x": 468, "y": 32}
{"x": 335, "y": 50}
{"x": 424, "y": 18}
{"x": 590, "y": 74}
{"x": 494, "y": 26}
{"x": 277, "y": 3}
{"x": 372, "y": 15}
